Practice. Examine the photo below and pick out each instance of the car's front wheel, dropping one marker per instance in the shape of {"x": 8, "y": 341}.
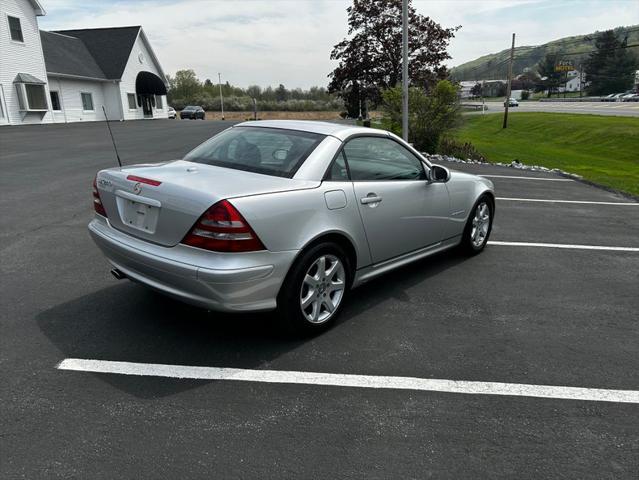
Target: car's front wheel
{"x": 478, "y": 226}
{"x": 313, "y": 293}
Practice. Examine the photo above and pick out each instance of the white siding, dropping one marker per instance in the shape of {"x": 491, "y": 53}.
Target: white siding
{"x": 127, "y": 85}
{"x": 111, "y": 96}
{"x": 71, "y": 100}
{"x": 16, "y": 57}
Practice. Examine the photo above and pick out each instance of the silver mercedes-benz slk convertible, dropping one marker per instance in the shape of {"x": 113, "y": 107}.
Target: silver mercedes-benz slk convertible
{"x": 286, "y": 215}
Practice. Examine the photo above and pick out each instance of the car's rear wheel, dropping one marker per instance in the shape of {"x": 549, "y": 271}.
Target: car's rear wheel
{"x": 313, "y": 293}
{"x": 478, "y": 226}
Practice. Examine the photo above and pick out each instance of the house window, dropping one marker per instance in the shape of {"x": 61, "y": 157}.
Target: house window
{"x": 131, "y": 99}
{"x": 55, "y": 101}
{"x": 31, "y": 96}
{"x": 158, "y": 102}
{"x": 87, "y": 102}
{"x": 16, "y": 29}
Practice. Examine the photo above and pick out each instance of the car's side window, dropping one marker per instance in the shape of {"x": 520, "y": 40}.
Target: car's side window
{"x": 378, "y": 158}
{"x": 338, "y": 171}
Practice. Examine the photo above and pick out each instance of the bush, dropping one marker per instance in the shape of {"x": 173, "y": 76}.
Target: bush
{"x": 525, "y": 95}
{"x": 463, "y": 151}
{"x": 430, "y": 114}
{"x": 245, "y": 104}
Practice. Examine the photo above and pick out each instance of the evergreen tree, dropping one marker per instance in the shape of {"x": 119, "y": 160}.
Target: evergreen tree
{"x": 281, "y": 94}
{"x": 610, "y": 68}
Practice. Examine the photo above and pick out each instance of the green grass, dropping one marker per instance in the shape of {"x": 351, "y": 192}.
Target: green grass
{"x": 601, "y": 149}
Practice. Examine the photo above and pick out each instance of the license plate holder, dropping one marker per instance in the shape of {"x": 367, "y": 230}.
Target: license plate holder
{"x": 139, "y": 215}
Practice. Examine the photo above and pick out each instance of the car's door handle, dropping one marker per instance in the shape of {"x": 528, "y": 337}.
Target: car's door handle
{"x": 370, "y": 198}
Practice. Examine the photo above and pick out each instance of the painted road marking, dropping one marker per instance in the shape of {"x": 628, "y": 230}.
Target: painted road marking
{"x": 586, "y": 202}
{"x": 529, "y": 178}
{"x": 349, "y": 380}
{"x": 563, "y": 245}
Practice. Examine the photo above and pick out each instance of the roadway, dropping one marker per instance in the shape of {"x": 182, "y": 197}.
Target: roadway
{"x": 625, "y": 109}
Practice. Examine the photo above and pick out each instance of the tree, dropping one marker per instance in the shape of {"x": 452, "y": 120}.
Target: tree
{"x": 184, "y": 85}
{"x": 529, "y": 79}
{"x": 430, "y": 114}
{"x": 610, "y": 68}
{"x": 281, "y": 94}
{"x": 254, "y": 91}
{"x": 372, "y": 54}
{"x": 476, "y": 90}
{"x": 550, "y": 79}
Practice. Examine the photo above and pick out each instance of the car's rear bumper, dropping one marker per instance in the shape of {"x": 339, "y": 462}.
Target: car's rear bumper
{"x": 217, "y": 281}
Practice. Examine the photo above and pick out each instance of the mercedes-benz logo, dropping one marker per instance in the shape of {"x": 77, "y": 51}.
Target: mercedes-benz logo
{"x": 137, "y": 188}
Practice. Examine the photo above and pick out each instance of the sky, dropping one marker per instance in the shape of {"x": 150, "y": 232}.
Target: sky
{"x": 268, "y": 42}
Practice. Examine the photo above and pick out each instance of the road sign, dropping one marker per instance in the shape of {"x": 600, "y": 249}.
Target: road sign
{"x": 564, "y": 66}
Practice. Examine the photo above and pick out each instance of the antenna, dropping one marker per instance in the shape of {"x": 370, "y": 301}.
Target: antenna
{"x": 112, "y": 139}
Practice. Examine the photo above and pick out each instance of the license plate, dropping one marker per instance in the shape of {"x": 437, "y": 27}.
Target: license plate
{"x": 139, "y": 215}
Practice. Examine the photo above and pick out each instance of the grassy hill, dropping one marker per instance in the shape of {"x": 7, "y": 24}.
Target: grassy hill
{"x": 495, "y": 65}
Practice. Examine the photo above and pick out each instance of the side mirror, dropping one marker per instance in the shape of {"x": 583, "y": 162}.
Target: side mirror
{"x": 438, "y": 173}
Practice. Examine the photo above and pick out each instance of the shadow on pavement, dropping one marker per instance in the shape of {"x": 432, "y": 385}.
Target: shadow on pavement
{"x": 128, "y": 322}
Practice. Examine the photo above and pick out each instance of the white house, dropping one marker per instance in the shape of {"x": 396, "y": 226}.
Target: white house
{"x": 68, "y": 76}
{"x": 576, "y": 81}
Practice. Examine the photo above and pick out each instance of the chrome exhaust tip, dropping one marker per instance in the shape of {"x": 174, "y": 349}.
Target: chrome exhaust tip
{"x": 117, "y": 274}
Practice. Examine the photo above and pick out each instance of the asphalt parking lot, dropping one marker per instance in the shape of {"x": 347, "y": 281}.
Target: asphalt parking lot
{"x": 535, "y": 308}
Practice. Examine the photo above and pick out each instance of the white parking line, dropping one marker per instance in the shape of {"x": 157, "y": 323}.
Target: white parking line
{"x": 586, "y": 202}
{"x": 354, "y": 381}
{"x": 564, "y": 245}
{"x": 529, "y": 178}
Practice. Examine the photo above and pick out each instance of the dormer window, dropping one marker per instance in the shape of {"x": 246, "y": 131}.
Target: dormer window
{"x": 16, "y": 29}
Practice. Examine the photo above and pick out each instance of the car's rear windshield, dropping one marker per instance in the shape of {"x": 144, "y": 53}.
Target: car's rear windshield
{"x": 270, "y": 151}
{"x": 190, "y": 108}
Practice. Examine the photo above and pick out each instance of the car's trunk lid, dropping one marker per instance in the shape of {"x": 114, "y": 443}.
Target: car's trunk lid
{"x": 161, "y": 202}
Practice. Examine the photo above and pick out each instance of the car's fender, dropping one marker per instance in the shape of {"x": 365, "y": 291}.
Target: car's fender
{"x": 464, "y": 189}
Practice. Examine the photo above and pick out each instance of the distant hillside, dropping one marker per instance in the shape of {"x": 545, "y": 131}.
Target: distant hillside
{"x": 495, "y": 65}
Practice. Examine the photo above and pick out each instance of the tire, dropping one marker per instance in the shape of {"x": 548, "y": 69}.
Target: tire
{"x": 322, "y": 297}
{"x": 478, "y": 228}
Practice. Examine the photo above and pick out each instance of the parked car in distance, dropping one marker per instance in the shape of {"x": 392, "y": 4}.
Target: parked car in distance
{"x": 633, "y": 97}
{"x": 512, "y": 102}
{"x": 609, "y": 98}
{"x": 622, "y": 98}
{"x": 286, "y": 215}
{"x": 193, "y": 112}
{"x": 172, "y": 113}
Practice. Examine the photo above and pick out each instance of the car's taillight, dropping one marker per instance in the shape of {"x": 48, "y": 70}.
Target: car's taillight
{"x": 223, "y": 229}
{"x": 97, "y": 202}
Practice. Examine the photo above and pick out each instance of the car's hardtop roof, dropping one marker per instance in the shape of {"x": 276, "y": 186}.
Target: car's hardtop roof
{"x": 338, "y": 130}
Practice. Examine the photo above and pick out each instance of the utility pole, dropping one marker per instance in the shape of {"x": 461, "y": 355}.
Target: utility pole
{"x": 219, "y": 81}
{"x": 405, "y": 70}
{"x": 510, "y": 78}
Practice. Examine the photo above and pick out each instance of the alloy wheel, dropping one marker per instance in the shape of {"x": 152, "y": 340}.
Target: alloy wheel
{"x": 481, "y": 224}
{"x": 322, "y": 289}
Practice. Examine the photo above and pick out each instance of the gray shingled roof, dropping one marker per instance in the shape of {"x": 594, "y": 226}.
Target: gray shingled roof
{"x": 110, "y": 47}
{"x": 69, "y": 56}
{"x": 27, "y": 78}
